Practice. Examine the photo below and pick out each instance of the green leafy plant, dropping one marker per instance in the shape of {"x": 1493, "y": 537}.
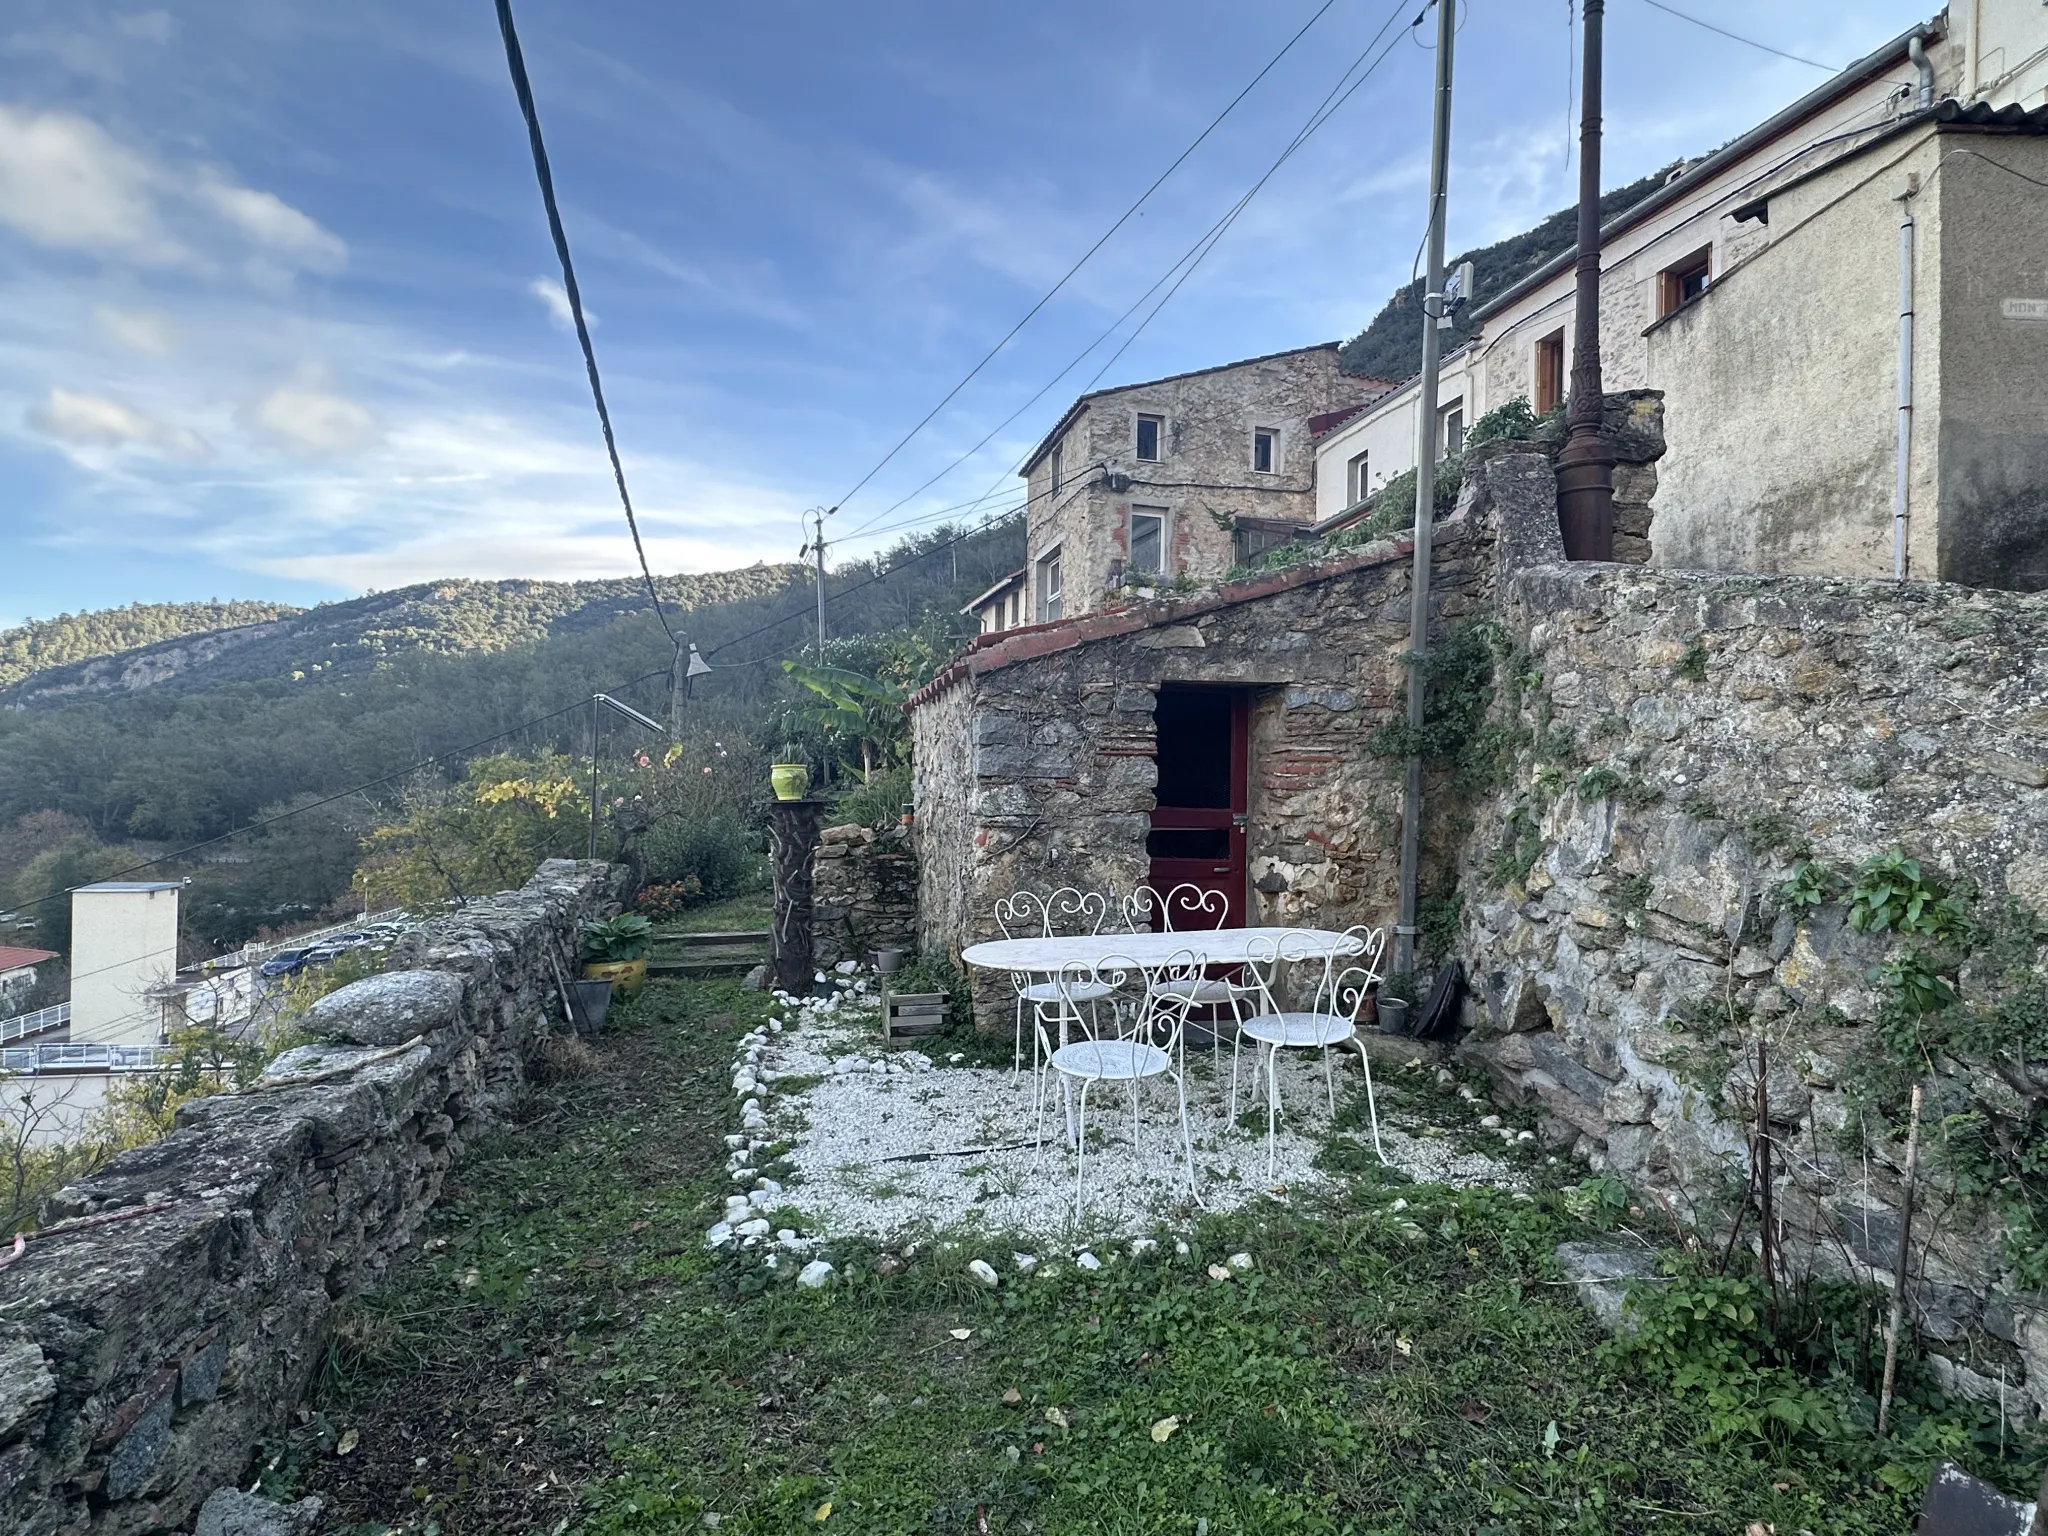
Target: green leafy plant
{"x": 1599, "y": 783}
{"x": 1890, "y": 894}
{"x": 628, "y": 936}
{"x": 1811, "y": 887}
{"x": 1511, "y": 418}
{"x": 860, "y": 718}
{"x": 1916, "y": 982}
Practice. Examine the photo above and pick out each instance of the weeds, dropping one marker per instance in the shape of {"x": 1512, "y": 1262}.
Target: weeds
{"x": 562, "y": 1353}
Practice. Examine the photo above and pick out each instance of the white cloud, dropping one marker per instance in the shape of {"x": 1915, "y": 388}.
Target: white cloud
{"x": 95, "y": 421}
{"x": 275, "y": 225}
{"x": 309, "y": 418}
{"x": 556, "y": 298}
{"x": 65, "y": 183}
{"x": 140, "y": 330}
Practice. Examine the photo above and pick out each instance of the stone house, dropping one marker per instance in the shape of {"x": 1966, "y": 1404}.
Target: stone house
{"x": 1759, "y": 289}
{"x": 1222, "y": 737}
{"x": 1181, "y": 477}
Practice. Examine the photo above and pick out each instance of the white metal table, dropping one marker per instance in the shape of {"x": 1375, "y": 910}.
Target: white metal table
{"x": 1149, "y": 952}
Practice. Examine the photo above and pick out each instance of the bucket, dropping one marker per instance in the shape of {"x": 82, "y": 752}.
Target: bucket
{"x": 589, "y": 1002}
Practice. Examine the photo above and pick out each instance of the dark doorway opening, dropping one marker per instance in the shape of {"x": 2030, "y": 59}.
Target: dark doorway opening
{"x": 1198, "y": 826}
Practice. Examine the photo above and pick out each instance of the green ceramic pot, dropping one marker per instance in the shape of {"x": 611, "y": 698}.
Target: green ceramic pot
{"x": 790, "y": 780}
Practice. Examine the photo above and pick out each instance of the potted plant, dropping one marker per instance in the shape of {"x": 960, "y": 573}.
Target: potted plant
{"x": 791, "y": 777}
{"x": 616, "y": 951}
{"x": 1392, "y": 1002}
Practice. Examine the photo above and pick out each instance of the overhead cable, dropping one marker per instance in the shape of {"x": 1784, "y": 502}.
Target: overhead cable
{"x": 1750, "y": 42}
{"x": 1122, "y": 219}
{"x": 516, "y": 62}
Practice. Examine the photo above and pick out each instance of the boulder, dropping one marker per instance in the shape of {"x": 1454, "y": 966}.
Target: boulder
{"x": 230, "y": 1512}
{"x": 389, "y": 1009}
{"x": 1601, "y": 1272}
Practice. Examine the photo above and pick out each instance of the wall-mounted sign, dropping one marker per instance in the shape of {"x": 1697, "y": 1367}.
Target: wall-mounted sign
{"x": 2025, "y": 309}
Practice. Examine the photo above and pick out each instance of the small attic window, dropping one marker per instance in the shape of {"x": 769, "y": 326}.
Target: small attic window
{"x": 1683, "y": 281}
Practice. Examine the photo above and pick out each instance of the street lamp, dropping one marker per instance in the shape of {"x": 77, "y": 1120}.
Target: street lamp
{"x": 606, "y": 701}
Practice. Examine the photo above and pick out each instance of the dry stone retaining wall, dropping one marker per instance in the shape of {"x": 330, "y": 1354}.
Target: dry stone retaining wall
{"x": 1619, "y": 983}
{"x": 145, "y": 1352}
{"x": 863, "y": 893}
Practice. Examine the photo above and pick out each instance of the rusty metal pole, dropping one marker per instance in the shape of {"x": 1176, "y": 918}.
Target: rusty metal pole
{"x": 1585, "y": 466}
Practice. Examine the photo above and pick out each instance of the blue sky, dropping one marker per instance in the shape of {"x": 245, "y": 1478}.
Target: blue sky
{"x": 277, "y": 314}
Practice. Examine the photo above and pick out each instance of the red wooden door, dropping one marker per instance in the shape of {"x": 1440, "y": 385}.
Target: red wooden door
{"x": 1198, "y": 826}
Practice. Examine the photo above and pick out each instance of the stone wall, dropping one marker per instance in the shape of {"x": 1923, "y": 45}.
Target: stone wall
{"x": 1695, "y": 737}
{"x": 1203, "y": 478}
{"x": 1036, "y": 752}
{"x": 863, "y": 893}
{"x": 174, "y": 1307}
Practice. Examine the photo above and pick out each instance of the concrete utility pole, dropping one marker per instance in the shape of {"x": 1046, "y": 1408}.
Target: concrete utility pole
{"x": 1433, "y": 316}
{"x": 1585, "y": 465}
{"x": 818, "y": 516}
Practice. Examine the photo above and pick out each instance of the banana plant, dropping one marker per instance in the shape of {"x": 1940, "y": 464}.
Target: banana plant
{"x": 860, "y": 717}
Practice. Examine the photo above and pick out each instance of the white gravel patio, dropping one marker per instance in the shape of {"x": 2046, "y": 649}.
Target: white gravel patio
{"x": 890, "y": 1145}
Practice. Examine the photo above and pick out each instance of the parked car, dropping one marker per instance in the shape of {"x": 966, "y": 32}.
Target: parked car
{"x": 285, "y": 962}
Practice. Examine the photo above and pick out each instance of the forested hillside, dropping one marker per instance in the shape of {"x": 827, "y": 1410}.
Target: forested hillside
{"x": 133, "y": 773}
{"x": 1391, "y": 347}
{"x": 347, "y": 638}
{"x": 71, "y": 637}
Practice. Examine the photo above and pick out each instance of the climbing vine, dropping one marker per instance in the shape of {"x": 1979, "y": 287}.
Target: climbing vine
{"x": 1965, "y": 1012}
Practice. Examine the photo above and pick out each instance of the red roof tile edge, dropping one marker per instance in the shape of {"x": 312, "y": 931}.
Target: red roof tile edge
{"x": 991, "y": 653}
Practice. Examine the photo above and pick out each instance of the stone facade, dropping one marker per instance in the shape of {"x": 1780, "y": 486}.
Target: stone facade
{"x": 1202, "y": 482}
{"x": 175, "y": 1306}
{"x": 1035, "y": 753}
{"x": 1620, "y": 984}
{"x": 863, "y": 893}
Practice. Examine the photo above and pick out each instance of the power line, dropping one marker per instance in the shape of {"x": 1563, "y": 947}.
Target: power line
{"x": 1751, "y": 42}
{"x": 1122, "y": 219}
{"x": 1199, "y": 252}
{"x": 1331, "y": 102}
{"x": 844, "y": 592}
{"x": 516, "y": 62}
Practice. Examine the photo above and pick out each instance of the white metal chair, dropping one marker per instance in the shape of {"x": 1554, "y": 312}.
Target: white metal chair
{"x": 1198, "y": 909}
{"x": 1029, "y": 915}
{"x": 1343, "y": 983}
{"x": 1147, "y": 1041}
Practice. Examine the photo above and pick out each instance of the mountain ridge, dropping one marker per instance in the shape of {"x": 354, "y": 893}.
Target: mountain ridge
{"x": 453, "y": 615}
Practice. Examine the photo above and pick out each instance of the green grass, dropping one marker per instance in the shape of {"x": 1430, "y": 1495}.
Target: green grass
{"x": 750, "y": 913}
{"x": 562, "y": 1354}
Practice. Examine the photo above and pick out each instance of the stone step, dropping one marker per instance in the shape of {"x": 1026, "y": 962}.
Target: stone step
{"x": 734, "y": 965}
{"x": 711, "y": 940}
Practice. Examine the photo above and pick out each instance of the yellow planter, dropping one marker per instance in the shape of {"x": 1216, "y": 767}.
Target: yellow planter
{"x": 789, "y": 780}
{"x": 626, "y": 976}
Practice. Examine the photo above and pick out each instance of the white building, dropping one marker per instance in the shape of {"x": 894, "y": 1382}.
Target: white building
{"x": 124, "y": 953}
{"x": 1665, "y": 258}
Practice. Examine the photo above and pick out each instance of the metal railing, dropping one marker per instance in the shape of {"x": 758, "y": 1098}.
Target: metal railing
{"x": 85, "y": 1058}
{"x": 41, "y": 1022}
{"x": 256, "y": 954}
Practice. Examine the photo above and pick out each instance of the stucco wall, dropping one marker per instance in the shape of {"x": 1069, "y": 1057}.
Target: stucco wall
{"x": 1203, "y": 478}
{"x": 1993, "y": 451}
{"x": 1780, "y": 386}
{"x": 1385, "y": 434}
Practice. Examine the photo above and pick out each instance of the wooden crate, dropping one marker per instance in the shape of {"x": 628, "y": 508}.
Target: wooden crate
{"x": 907, "y": 1015}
